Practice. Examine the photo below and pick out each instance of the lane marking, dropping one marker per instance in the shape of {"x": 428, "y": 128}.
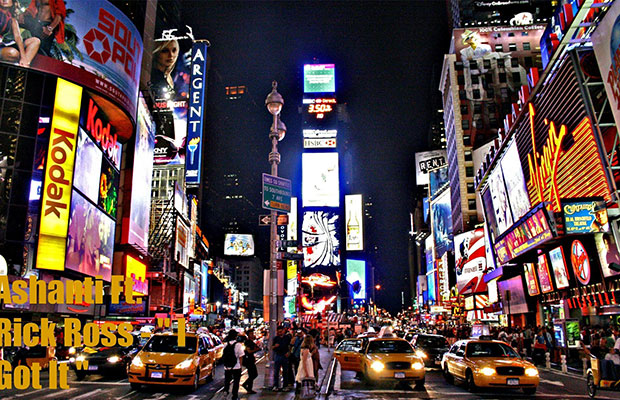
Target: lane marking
{"x": 127, "y": 395}
{"x": 556, "y": 383}
{"x": 100, "y": 383}
{"x": 29, "y": 393}
{"x": 60, "y": 392}
{"x": 85, "y": 395}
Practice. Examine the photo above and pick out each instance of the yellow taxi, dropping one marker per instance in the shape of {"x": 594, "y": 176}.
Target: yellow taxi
{"x": 489, "y": 363}
{"x": 163, "y": 362}
{"x": 381, "y": 359}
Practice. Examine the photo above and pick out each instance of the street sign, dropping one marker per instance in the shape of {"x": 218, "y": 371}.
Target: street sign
{"x": 289, "y": 256}
{"x": 276, "y": 193}
{"x": 264, "y": 220}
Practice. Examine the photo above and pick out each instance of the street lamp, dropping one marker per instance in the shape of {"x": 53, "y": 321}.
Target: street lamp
{"x": 274, "y": 103}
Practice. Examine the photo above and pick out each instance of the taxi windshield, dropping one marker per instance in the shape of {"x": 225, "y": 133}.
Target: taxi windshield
{"x": 170, "y": 344}
{"x": 432, "y": 341}
{"x": 389, "y": 346}
{"x": 490, "y": 350}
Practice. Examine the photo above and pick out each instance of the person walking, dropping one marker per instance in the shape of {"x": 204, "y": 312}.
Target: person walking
{"x": 306, "y": 365}
{"x": 281, "y": 345}
{"x": 296, "y": 350}
{"x": 233, "y": 352}
{"x": 249, "y": 361}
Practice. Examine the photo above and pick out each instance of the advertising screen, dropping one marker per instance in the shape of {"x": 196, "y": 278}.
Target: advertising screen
{"x": 181, "y": 243}
{"x": 431, "y": 287}
{"x": 193, "y": 161}
{"x": 355, "y": 222}
{"x": 499, "y": 198}
{"x": 530, "y": 279}
{"x": 515, "y": 182}
{"x": 236, "y": 244}
{"x": 544, "y": 277}
{"x": 443, "y": 279}
{"x": 320, "y": 180}
{"x": 558, "y": 264}
{"x": 319, "y": 78}
{"x": 580, "y": 262}
{"x": 493, "y": 295}
{"x": 607, "y": 248}
{"x": 291, "y": 277}
{"x": 438, "y": 179}
{"x": 189, "y": 293}
{"x": 427, "y": 161}
{"x": 291, "y": 228}
{"x": 138, "y": 230}
{"x": 470, "y": 261}
{"x": 124, "y": 308}
{"x": 108, "y": 188}
{"x": 585, "y": 216}
{"x": 320, "y": 114}
{"x": 320, "y": 239}
{"x": 136, "y": 269}
{"x": 356, "y": 276}
{"x": 441, "y": 218}
{"x": 88, "y": 166}
{"x": 204, "y": 282}
{"x": 513, "y": 303}
{"x": 90, "y": 239}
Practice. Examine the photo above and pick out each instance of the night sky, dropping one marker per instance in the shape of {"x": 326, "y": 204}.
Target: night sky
{"x": 388, "y": 58}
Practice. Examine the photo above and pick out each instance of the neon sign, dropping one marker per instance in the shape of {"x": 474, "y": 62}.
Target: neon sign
{"x": 320, "y": 107}
{"x": 558, "y": 170}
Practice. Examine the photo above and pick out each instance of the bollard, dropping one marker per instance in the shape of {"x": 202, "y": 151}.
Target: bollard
{"x": 548, "y": 360}
{"x": 563, "y": 363}
{"x": 585, "y": 366}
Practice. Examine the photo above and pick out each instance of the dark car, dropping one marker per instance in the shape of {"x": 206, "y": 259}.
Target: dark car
{"x": 430, "y": 348}
{"x": 107, "y": 360}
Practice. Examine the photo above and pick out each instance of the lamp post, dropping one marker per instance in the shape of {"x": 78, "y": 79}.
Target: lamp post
{"x": 274, "y": 103}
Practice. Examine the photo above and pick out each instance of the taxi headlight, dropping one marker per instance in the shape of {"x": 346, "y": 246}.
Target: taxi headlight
{"x": 114, "y": 359}
{"x": 421, "y": 354}
{"x": 136, "y": 362}
{"x": 185, "y": 364}
{"x": 377, "y": 366}
{"x": 80, "y": 358}
{"x": 531, "y": 372}
{"x": 487, "y": 371}
{"x": 72, "y": 350}
{"x": 417, "y": 365}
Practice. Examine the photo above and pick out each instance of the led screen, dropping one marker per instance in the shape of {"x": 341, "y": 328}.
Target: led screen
{"x": 558, "y": 264}
{"x": 515, "y": 183}
{"x": 108, "y": 188}
{"x": 356, "y": 276}
{"x": 430, "y": 281}
{"x": 320, "y": 180}
{"x": 238, "y": 245}
{"x": 441, "y": 217}
{"x": 320, "y": 114}
{"x": 608, "y": 254}
{"x": 319, "y": 78}
{"x": 470, "y": 261}
{"x": 515, "y": 301}
{"x": 189, "y": 293}
{"x": 543, "y": 274}
{"x": 530, "y": 279}
{"x": 87, "y": 166}
{"x": 499, "y": 199}
{"x": 182, "y": 243}
{"x": 136, "y": 269}
{"x": 355, "y": 226}
{"x": 90, "y": 239}
{"x": 291, "y": 231}
{"x": 319, "y": 235}
{"x": 585, "y": 216}
{"x": 204, "y": 282}
{"x": 438, "y": 179}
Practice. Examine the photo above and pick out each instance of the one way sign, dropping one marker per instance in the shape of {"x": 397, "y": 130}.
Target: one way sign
{"x": 264, "y": 220}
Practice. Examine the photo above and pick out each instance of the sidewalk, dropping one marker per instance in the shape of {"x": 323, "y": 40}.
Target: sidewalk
{"x": 326, "y": 356}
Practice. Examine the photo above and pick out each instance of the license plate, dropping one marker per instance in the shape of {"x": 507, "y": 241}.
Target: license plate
{"x": 157, "y": 374}
{"x": 437, "y": 362}
{"x": 399, "y": 375}
{"x": 92, "y": 367}
{"x": 512, "y": 382}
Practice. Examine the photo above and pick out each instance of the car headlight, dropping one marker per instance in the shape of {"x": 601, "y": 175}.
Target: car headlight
{"x": 136, "y": 362}
{"x": 185, "y": 364}
{"x": 417, "y": 365}
{"x": 377, "y": 366}
{"x": 487, "y": 371}
{"x": 531, "y": 371}
{"x": 421, "y": 354}
{"x": 72, "y": 350}
{"x": 80, "y": 358}
{"x": 114, "y": 359}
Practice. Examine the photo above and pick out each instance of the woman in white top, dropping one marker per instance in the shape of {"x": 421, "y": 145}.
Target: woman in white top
{"x": 306, "y": 368}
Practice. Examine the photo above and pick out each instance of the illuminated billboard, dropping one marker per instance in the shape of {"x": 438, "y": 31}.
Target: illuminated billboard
{"x": 356, "y": 276}
{"x": 320, "y": 113}
{"x": 606, "y": 48}
{"x": 544, "y": 277}
{"x": 427, "y": 161}
{"x": 512, "y": 295}
{"x": 181, "y": 244}
{"x": 585, "y": 216}
{"x": 558, "y": 264}
{"x": 320, "y": 180}
{"x": 515, "y": 182}
{"x": 441, "y": 223}
{"x": 136, "y": 227}
{"x": 189, "y": 293}
{"x": 319, "y": 236}
{"x": 530, "y": 279}
{"x": 291, "y": 228}
{"x": 88, "y": 163}
{"x": 608, "y": 254}
{"x": 58, "y": 178}
{"x": 319, "y": 78}
{"x": 236, "y": 244}
{"x": 90, "y": 239}
{"x": 469, "y": 252}
{"x": 438, "y": 179}
{"x": 193, "y": 159}
{"x": 291, "y": 277}
{"x": 136, "y": 270}
{"x": 355, "y": 222}
{"x": 499, "y": 199}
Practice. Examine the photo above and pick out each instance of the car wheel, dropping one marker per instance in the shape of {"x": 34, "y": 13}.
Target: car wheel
{"x": 446, "y": 374}
{"x": 135, "y": 386}
{"x": 590, "y": 385}
{"x": 366, "y": 378}
{"x": 420, "y": 384}
{"x": 196, "y": 383}
{"x": 469, "y": 381}
{"x": 80, "y": 375}
{"x": 529, "y": 391}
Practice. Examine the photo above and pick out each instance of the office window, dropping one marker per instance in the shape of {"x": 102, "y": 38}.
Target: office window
{"x": 491, "y": 92}
{"x": 464, "y": 109}
{"x": 477, "y": 108}
{"x": 471, "y": 188}
{"x": 487, "y": 64}
{"x": 526, "y": 46}
{"x": 502, "y": 77}
{"x": 501, "y": 63}
{"x": 462, "y": 95}
{"x": 511, "y": 34}
{"x": 529, "y": 62}
{"x": 471, "y": 204}
{"x": 467, "y": 139}
{"x": 476, "y": 93}
{"x": 499, "y": 47}
{"x": 469, "y": 171}
{"x": 514, "y": 62}
{"x": 524, "y": 33}
{"x": 516, "y": 77}
{"x": 468, "y": 155}
{"x": 460, "y": 79}
{"x": 465, "y": 124}
{"x": 491, "y": 108}
{"x": 504, "y": 93}
{"x": 458, "y": 66}
{"x": 475, "y": 79}
{"x": 512, "y": 47}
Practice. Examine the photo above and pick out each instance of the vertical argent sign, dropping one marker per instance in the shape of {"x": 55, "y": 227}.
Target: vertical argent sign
{"x": 195, "y": 116}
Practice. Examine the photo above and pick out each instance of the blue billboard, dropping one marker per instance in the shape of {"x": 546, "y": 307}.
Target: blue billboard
{"x": 356, "y": 276}
{"x": 193, "y": 154}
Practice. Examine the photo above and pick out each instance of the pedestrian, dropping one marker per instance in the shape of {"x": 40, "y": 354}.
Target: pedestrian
{"x": 233, "y": 352}
{"x": 316, "y": 360}
{"x": 306, "y": 366}
{"x": 249, "y": 361}
{"x": 281, "y": 345}
{"x": 296, "y": 350}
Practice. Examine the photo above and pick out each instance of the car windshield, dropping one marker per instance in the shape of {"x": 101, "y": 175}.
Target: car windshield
{"x": 170, "y": 344}
{"x": 431, "y": 341}
{"x": 490, "y": 350}
{"x": 389, "y": 346}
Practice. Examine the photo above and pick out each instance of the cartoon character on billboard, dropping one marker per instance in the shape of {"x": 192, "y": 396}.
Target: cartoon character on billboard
{"x": 475, "y": 48}
{"x": 15, "y": 46}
